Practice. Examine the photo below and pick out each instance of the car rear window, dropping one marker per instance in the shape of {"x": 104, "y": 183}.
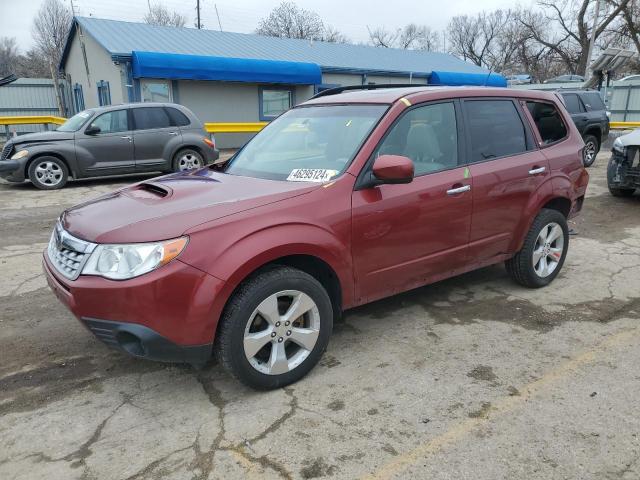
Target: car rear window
{"x": 548, "y": 121}
{"x": 572, "y": 102}
{"x": 178, "y": 118}
{"x": 593, "y": 101}
{"x": 151, "y": 117}
{"x": 496, "y": 129}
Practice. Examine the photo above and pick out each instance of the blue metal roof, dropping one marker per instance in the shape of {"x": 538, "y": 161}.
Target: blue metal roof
{"x": 122, "y": 38}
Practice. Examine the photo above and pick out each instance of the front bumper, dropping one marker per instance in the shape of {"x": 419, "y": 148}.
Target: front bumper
{"x": 12, "y": 170}
{"x": 169, "y": 314}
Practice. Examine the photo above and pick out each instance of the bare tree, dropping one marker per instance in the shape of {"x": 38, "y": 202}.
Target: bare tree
{"x": 288, "y": 20}
{"x": 630, "y": 28}
{"x": 410, "y": 37}
{"x": 381, "y": 37}
{"x": 332, "y": 35}
{"x": 160, "y": 15}
{"x": 32, "y": 64}
{"x": 50, "y": 28}
{"x": 8, "y": 56}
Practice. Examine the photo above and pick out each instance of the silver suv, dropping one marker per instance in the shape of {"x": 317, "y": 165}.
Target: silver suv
{"x": 114, "y": 140}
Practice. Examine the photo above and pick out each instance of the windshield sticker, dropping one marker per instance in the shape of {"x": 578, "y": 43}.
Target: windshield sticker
{"x": 311, "y": 175}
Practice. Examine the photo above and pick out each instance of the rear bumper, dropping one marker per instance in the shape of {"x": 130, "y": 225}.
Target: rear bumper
{"x": 143, "y": 342}
{"x": 169, "y": 314}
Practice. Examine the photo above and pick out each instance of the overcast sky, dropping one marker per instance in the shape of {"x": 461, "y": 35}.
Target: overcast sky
{"x": 350, "y": 17}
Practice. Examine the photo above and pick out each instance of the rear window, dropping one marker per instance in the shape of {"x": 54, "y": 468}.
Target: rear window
{"x": 572, "y": 102}
{"x": 496, "y": 129}
{"x": 178, "y": 118}
{"x": 548, "y": 121}
{"x": 151, "y": 117}
{"x": 593, "y": 101}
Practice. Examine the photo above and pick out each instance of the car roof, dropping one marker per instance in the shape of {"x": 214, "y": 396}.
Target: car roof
{"x": 120, "y": 106}
{"x": 424, "y": 93}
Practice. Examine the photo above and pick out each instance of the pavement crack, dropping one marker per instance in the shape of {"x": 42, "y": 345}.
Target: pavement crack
{"x": 293, "y": 407}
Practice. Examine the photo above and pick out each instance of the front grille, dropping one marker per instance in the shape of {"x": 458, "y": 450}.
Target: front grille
{"x": 6, "y": 151}
{"x": 68, "y": 253}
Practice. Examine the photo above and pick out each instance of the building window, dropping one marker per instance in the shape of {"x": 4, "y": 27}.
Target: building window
{"x": 155, "y": 91}
{"x": 274, "y": 101}
{"x": 104, "y": 94}
{"x": 78, "y": 97}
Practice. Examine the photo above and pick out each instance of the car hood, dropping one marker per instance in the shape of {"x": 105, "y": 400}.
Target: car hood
{"x": 42, "y": 137}
{"x": 630, "y": 139}
{"x": 165, "y": 207}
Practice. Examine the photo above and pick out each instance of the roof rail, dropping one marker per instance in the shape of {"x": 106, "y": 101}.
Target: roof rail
{"x": 375, "y": 86}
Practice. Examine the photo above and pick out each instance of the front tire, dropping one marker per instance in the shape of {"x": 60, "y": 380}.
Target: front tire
{"x": 591, "y": 149}
{"x": 187, "y": 159}
{"x": 543, "y": 252}
{"x": 274, "y": 328}
{"x": 48, "y": 173}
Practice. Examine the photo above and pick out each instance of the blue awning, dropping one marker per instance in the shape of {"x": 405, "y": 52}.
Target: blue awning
{"x": 197, "y": 67}
{"x": 458, "y": 79}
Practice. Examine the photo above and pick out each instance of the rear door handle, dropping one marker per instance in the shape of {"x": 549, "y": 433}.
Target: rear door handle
{"x": 537, "y": 170}
{"x": 173, "y": 133}
{"x": 456, "y": 191}
{"x": 127, "y": 137}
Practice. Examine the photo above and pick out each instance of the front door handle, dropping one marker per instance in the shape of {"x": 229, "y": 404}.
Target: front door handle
{"x": 537, "y": 170}
{"x": 173, "y": 133}
{"x": 457, "y": 190}
{"x": 126, "y": 137}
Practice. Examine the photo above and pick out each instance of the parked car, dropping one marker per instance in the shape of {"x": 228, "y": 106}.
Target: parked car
{"x": 345, "y": 199}
{"x": 629, "y": 78}
{"x": 520, "y": 79}
{"x": 566, "y": 79}
{"x": 623, "y": 171}
{"x": 114, "y": 140}
{"x": 589, "y": 114}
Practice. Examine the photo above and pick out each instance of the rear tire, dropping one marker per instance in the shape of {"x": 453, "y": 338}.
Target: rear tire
{"x": 187, "y": 159}
{"x": 591, "y": 149}
{"x": 252, "y": 337}
{"x": 543, "y": 252}
{"x": 48, "y": 173}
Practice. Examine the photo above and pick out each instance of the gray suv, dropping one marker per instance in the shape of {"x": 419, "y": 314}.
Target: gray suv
{"x": 114, "y": 140}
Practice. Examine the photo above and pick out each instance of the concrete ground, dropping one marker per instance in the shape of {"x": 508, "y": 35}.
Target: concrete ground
{"x": 471, "y": 378}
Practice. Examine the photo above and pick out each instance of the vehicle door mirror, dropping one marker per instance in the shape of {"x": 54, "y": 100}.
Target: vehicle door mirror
{"x": 92, "y": 130}
{"x": 393, "y": 169}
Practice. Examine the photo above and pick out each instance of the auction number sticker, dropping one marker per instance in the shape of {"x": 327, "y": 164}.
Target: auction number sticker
{"x": 311, "y": 175}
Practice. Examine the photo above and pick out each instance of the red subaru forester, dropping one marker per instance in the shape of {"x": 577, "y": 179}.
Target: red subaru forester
{"x": 347, "y": 198}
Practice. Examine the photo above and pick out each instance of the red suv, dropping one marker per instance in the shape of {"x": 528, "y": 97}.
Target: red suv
{"x": 348, "y": 198}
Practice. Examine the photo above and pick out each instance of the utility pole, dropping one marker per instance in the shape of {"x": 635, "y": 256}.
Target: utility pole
{"x": 198, "y": 25}
{"x": 593, "y": 38}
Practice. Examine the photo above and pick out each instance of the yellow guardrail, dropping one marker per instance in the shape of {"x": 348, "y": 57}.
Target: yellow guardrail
{"x": 32, "y": 120}
{"x": 624, "y": 125}
{"x": 234, "y": 127}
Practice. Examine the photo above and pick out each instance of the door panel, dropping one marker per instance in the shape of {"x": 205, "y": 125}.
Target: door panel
{"x": 405, "y": 234}
{"x": 108, "y": 152}
{"x": 153, "y": 131}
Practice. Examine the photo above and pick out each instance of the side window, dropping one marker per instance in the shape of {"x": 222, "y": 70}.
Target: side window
{"x": 496, "y": 129}
{"x": 548, "y": 121}
{"x": 428, "y": 135}
{"x": 148, "y": 118}
{"x": 593, "y": 101}
{"x": 572, "y": 102}
{"x": 178, "y": 118}
{"x": 112, "y": 122}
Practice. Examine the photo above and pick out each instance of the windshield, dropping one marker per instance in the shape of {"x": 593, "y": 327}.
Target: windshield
{"x": 75, "y": 122}
{"x": 307, "y": 143}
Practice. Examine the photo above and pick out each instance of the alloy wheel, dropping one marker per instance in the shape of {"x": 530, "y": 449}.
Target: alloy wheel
{"x": 48, "y": 173}
{"x": 281, "y": 332}
{"x": 548, "y": 250}
{"x": 189, "y": 161}
{"x": 589, "y": 152}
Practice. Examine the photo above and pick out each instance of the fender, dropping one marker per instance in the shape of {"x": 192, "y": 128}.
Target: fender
{"x": 543, "y": 195}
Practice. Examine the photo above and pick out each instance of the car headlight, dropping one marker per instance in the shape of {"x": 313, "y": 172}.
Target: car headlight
{"x": 20, "y": 154}
{"x": 618, "y": 146}
{"x": 120, "y": 262}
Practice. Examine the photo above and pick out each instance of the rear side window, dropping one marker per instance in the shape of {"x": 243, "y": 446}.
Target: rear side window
{"x": 496, "y": 129}
{"x": 572, "y": 102}
{"x": 548, "y": 121}
{"x": 593, "y": 101}
{"x": 151, "y": 117}
{"x": 178, "y": 118}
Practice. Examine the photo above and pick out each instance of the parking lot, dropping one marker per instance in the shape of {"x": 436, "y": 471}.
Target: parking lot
{"x": 474, "y": 377}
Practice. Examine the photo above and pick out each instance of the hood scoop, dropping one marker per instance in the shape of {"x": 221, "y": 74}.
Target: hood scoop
{"x": 148, "y": 191}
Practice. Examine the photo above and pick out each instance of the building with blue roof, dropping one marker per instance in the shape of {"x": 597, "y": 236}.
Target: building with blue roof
{"x": 225, "y": 76}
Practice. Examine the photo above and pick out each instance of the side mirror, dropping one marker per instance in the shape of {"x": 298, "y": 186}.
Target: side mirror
{"x": 92, "y": 130}
{"x": 393, "y": 169}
